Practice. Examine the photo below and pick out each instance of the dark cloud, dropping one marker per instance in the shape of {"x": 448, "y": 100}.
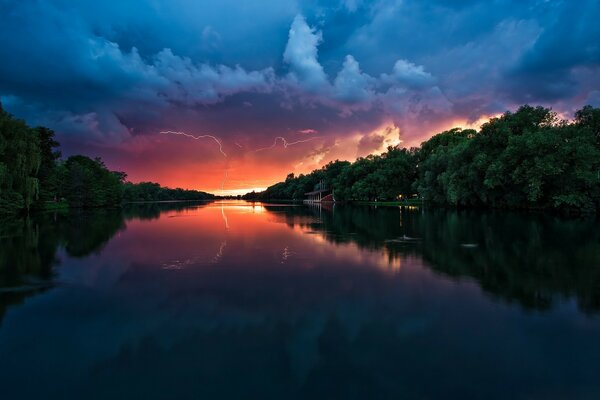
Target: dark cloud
{"x": 103, "y": 73}
{"x": 570, "y": 42}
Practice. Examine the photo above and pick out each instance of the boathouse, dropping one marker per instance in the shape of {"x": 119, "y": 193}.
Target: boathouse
{"x": 321, "y": 193}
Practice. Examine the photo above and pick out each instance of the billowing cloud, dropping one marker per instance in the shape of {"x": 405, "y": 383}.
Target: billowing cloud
{"x": 109, "y": 76}
{"x": 408, "y": 75}
{"x": 183, "y": 81}
{"x": 378, "y": 140}
{"x": 301, "y": 55}
{"x": 352, "y": 89}
{"x": 351, "y": 84}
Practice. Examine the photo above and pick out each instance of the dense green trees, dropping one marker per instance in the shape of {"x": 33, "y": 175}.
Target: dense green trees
{"x": 383, "y": 177}
{"x": 526, "y": 159}
{"x": 150, "y": 191}
{"x": 48, "y": 174}
{"x": 294, "y": 187}
{"x": 88, "y": 183}
{"x": 32, "y": 175}
{"x": 20, "y": 160}
{"x": 380, "y": 177}
{"x": 589, "y": 118}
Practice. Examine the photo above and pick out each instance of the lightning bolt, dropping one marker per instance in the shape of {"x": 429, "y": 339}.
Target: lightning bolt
{"x": 224, "y": 180}
{"x": 286, "y": 144}
{"x": 217, "y": 140}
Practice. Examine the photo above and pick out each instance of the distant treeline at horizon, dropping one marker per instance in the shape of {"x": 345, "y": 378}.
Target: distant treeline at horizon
{"x": 33, "y": 175}
{"x": 529, "y": 159}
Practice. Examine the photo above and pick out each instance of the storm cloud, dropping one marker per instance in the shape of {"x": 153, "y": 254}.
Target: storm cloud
{"x": 109, "y": 77}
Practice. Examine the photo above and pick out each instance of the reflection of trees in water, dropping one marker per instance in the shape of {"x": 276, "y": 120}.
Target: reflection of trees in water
{"x": 86, "y": 232}
{"x": 532, "y": 259}
{"x": 28, "y": 245}
{"x": 24, "y": 251}
{"x": 149, "y": 211}
{"x": 26, "y": 260}
{"x": 369, "y": 227}
{"x": 318, "y": 339}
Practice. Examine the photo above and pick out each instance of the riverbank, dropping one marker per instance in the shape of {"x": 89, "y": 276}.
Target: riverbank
{"x": 399, "y": 203}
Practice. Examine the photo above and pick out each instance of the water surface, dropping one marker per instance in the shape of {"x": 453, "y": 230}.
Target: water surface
{"x": 240, "y": 300}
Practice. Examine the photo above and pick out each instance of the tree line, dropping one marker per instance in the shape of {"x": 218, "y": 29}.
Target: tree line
{"x": 151, "y": 191}
{"x": 528, "y": 159}
{"x": 34, "y": 176}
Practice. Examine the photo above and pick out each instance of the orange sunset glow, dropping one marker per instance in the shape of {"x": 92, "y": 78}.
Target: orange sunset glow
{"x": 200, "y": 165}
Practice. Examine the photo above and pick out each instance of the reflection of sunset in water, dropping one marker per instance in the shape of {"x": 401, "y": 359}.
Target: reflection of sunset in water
{"x": 225, "y": 232}
{"x": 262, "y": 300}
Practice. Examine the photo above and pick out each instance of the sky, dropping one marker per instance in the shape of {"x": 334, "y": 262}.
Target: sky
{"x": 264, "y": 88}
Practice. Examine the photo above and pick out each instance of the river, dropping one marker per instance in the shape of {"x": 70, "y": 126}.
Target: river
{"x": 237, "y": 300}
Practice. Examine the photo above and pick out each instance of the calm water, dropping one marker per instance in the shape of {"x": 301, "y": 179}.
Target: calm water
{"x": 240, "y": 301}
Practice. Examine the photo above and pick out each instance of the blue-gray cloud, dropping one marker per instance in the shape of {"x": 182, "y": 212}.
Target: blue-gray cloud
{"x": 105, "y": 71}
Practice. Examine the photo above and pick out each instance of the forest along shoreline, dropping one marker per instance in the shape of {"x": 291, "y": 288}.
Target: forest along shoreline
{"x": 33, "y": 176}
{"x": 528, "y": 159}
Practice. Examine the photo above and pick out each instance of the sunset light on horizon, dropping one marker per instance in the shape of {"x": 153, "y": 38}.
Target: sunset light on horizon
{"x": 246, "y": 172}
{"x": 340, "y": 80}
{"x": 299, "y": 199}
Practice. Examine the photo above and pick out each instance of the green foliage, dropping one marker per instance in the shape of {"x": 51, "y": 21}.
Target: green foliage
{"x": 526, "y": 159}
{"x": 294, "y": 187}
{"x": 32, "y": 175}
{"x": 378, "y": 177}
{"x": 20, "y": 159}
{"x": 10, "y": 202}
{"x": 48, "y": 173}
{"x": 383, "y": 177}
{"x": 150, "y": 191}
{"x": 589, "y": 118}
{"x": 88, "y": 183}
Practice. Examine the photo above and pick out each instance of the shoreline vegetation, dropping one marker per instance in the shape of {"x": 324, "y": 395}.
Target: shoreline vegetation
{"x": 34, "y": 177}
{"x": 407, "y": 202}
{"x": 528, "y": 160}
